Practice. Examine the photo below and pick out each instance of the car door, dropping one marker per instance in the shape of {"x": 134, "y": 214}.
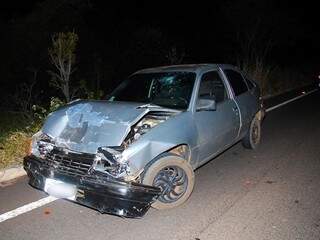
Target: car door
{"x": 243, "y": 97}
{"x": 216, "y": 129}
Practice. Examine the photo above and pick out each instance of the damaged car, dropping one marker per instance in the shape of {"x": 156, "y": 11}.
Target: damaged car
{"x": 140, "y": 146}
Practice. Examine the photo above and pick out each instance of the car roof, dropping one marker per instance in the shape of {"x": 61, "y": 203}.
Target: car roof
{"x": 197, "y": 68}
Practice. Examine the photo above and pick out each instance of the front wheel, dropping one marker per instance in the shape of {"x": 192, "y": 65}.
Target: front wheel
{"x": 253, "y": 136}
{"x": 174, "y": 176}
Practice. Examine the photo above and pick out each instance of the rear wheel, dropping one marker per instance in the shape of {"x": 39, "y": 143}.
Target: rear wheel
{"x": 174, "y": 176}
{"x": 253, "y": 136}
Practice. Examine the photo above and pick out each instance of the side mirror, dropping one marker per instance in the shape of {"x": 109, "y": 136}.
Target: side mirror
{"x": 206, "y": 105}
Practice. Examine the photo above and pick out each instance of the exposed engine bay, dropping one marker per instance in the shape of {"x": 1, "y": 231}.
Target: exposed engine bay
{"x": 148, "y": 122}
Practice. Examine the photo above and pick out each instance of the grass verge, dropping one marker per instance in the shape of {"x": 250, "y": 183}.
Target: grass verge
{"x": 15, "y": 132}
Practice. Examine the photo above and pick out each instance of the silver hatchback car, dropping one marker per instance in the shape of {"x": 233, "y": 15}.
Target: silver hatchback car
{"x": 141, "y": 145}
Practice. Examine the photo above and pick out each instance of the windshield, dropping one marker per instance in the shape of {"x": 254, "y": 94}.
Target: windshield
{"x": 166, "y": 89}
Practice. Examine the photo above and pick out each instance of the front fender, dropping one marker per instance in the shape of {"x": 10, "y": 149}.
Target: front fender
{"x": 177, "y": 130}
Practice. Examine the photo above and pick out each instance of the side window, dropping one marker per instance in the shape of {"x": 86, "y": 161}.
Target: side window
{"x": 251, "y": 84}
{"x": 237, "y": 82}
{"x": 212, "y": 87}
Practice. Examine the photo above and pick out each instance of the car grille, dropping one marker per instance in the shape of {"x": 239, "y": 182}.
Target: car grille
{"x": 71, "y": 163}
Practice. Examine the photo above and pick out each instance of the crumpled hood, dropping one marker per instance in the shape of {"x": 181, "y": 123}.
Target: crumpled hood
{"x": 86, "y": 125}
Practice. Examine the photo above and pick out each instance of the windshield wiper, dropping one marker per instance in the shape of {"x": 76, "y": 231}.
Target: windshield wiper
{"x": 149, "y": 105}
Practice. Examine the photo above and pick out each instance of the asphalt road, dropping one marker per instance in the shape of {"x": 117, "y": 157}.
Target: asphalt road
{"x": 270, "y": 193}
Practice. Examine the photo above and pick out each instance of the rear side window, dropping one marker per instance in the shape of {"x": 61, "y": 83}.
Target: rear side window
{"x": 236, "y": 81}
{"x": 250, "y": 84}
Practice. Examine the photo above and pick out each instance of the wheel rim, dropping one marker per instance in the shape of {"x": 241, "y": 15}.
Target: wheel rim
{"x": 255, "y": 133}
{"x": 173, "y": 182}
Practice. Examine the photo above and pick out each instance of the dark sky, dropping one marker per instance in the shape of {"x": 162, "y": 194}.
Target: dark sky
{"x": 293, "y": 29}
{"x": 114, "y": 40}
{"x": 15, "y": 8}
{"x": 206, "y": 30}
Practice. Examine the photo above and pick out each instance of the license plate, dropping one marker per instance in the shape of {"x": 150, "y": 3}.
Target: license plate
{"x": 60, "y": 189}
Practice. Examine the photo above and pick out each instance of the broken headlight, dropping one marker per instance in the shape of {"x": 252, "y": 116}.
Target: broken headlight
{"x": 109, "y": 160}
{"x": 41, "y": 144}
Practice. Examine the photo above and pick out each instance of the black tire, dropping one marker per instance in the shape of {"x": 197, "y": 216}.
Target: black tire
{"x": 175, "y": 176}
{"x": 253, "y": 136}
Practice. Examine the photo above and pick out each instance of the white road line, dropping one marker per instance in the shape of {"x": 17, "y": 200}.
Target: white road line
{"x": 26, "y": 208}
{"x": 290, "y": 100}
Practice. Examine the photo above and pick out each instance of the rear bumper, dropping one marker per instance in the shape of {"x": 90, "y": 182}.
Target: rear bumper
{"x": 98, "y": 192}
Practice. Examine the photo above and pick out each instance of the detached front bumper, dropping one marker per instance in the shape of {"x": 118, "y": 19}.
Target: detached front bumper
{"x": 96, "y": 191}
